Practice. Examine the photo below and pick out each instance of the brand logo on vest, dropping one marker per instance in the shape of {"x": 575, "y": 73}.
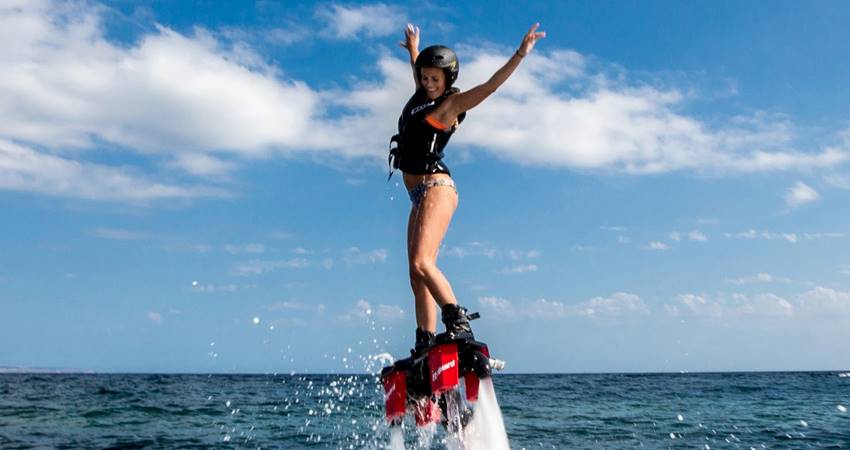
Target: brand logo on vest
{"x": 442, "y": 369}
{"x": 420, "y": 108}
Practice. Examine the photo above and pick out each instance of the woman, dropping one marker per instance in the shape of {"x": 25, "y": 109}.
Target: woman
{"x": 425, "y": 126}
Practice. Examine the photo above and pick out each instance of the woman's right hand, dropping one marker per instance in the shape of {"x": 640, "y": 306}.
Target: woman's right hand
{"x": 411, "y": 39}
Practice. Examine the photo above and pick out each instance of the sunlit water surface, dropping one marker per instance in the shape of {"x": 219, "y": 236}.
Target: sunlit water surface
{"x": 706, "y": 411}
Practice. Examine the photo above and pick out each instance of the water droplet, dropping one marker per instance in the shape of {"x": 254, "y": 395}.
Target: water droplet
{"x": 804, "y": 423}
{"x": 680, "y": 417}
{"x": 256, "y": 320}
{"x": 842, "y": 408}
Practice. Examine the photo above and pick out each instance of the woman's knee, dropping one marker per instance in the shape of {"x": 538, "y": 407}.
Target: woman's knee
{"x": 420, "y": 268}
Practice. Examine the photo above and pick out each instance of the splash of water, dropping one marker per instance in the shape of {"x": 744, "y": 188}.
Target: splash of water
{"x": 425, "y": 435}
{"x": 486, "y": 430}
{"x": 396, "y": 438}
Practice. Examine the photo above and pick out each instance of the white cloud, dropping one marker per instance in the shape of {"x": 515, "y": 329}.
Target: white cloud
{"x": 490, "y": 251}
{"x": 734, "y": 306}
{"x": 472, "y": 249}
{"x": 758, "y": 278}
{"x": 547, "y": 309}
{"x": 770, "y": 235}
{"x": 287, "y": 36}
{"x": 656, "y": 245}
{"x": 613, "y": 228}
{"x": 498, "y": 306}
{"x": 259, "y": 267}
{"x": 389, "y": 313}
{"x": 363, "y": 310}
{"x": 522, "y": 268}
{"x": 618, "y": 304}
{"x": 371, "y": 20}
{"x": 749, "y": 234}
{"x": 203, "y": 165}
{"x": 202, "y": 105}
{"x": 765, "y": 305}
{"x": 799, "y": 194}
{"x": 286, "y": 305}
{"x": 695, "y": 304}
{"x": 520, "y": 255}
{"x": 289, "y": 33}
{"x": 168, "y": 97}
{"x": 675, "y": 236}
{"x": 25, "y": 169}
{"x": 245, "y": 248}
{"x": 155, "y": 317}
{"x": 817, "y": 302}
{"x": 119, "y": 234}
{"x": 354, "y": 255}
{"x": 696, "y": 235}
{"x": 839, "y": 181}
{"x": 169, "y": 92}
{"x": 188, "y": 247}
{"x": 614, "y": 126}
{"x": 624, "y": 239}
{"x": 210, "y": 288}
{"x": 826, "y": 301}
{"x": 819, "y": 236}
{"x": 844, "y": 270}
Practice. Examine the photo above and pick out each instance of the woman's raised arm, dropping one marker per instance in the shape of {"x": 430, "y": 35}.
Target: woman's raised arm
{"x": 411, "y": 44}
{"x": 467, "y": 100}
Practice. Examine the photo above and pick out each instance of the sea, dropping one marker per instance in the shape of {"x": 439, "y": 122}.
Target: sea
{"x": 781, "y": 410}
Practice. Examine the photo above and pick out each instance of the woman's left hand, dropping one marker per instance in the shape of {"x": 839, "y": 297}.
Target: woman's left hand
{"x": 529, "y": 39}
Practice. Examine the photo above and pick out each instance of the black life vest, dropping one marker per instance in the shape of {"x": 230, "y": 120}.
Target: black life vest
{"x": 418, "y": 146}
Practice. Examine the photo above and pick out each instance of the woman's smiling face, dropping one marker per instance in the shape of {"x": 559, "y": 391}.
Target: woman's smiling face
{"x": 434, "y": 82}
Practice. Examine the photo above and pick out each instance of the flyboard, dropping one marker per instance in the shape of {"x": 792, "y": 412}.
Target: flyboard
{"x": 428, "y": 385}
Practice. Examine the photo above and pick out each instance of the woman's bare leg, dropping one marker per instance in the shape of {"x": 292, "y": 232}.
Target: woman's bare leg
{"x": 426, "y": 228}
{"x": 426, "y": 316}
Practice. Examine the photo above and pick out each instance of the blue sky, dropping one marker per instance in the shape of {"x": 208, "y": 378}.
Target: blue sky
{"x": 196, "y": 187}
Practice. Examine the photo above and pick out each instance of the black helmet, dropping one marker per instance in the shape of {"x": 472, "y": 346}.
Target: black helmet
{"x": 440, "y": 57}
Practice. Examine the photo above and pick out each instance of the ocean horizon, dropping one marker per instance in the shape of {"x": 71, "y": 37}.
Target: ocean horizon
{"x": 593, "y": 411}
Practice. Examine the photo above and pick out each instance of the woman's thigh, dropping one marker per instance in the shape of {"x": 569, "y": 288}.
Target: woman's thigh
{"x": 429, "y": 224}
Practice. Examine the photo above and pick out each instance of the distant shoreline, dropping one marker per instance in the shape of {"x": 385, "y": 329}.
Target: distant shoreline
{"x": 51, "y": 370}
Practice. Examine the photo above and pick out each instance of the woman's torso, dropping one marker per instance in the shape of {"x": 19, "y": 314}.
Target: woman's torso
{"x": 422, "y": 141}
{"x": 413, "y": 180}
